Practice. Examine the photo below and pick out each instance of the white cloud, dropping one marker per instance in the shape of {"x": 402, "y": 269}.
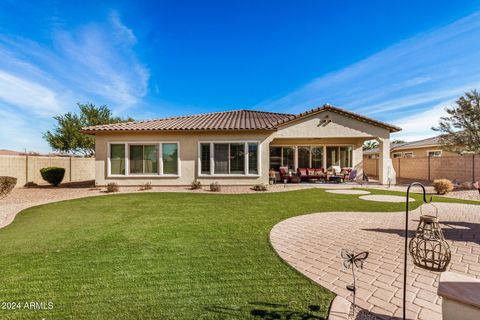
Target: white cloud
{"x": 407, "y": 80}
{"x": 27, "y": 95}
{"x": 93, "y": 63}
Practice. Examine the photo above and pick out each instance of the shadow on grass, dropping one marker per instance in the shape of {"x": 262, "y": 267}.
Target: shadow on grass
{"x": 269, "y": 311}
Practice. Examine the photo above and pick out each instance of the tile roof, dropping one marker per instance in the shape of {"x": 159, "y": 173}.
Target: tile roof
{"x": 434, "y": 141}
{"x": 227, "y": 120}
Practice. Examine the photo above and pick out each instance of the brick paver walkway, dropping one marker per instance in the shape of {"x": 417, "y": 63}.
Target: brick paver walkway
{"x": 312, "y": 243}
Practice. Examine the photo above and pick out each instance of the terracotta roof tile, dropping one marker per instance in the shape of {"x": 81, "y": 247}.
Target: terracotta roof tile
{"x": 227, "y": 120}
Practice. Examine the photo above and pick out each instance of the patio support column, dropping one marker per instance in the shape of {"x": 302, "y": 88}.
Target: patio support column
{"x": 383, "y": 161}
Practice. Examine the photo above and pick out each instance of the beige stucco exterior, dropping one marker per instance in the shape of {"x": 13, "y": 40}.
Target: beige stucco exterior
{"x": 323, "y": 128}
{"x": 423, "y": 152}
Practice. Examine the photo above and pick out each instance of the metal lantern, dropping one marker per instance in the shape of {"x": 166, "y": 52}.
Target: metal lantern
{"x": 428, "y": 247}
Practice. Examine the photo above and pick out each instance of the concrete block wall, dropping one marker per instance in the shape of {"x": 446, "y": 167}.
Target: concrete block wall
{"x": 27, "y": 168}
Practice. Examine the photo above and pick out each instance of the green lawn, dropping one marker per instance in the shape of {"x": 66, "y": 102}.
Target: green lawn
{"x": 164, "y": 256}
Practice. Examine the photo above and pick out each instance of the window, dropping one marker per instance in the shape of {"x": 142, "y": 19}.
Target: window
{"x": 317, "y": 157}
{"x": 332, "y": 157}
{"x": 346, "y": 156}
{"x": 170, "y": 158}
{"x": 143, "y": 158}
{"x": 304, "y": 157}
{"x": 408, "y": 155}
{"x": 117, "y": 159}
{"x": 397, "y": 155}
{"x": 205, "y": 158}
{"x": 434, "y": 153}
{"x": 288, "y": 157}
{"x": 236, "y": 158}
{"x": 275, "y": 158}
{"x": 220, "y": 157}
{"x": 252, "y": 158}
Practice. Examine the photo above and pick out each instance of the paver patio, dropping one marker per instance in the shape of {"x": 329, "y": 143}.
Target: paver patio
{"x": 312, "y": 243}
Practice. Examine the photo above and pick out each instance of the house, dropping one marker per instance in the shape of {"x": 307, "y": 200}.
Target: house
{"x": 430, "y": 147}
{"x": 234, "y": 147}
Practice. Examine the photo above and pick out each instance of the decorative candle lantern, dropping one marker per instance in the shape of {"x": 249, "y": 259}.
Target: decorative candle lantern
{"x": 428, "y": 247}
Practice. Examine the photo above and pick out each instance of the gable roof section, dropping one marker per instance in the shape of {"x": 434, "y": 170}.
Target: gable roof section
{"x": 341, "y": 111}
{"x": 227, "y": 120}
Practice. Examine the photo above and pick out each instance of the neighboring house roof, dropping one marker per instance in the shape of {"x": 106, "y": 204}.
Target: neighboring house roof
{"x": 429, "y": 142}
{"x": 228, "y": 120}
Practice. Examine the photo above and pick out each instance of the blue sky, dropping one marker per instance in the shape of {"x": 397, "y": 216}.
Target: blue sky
{"x": 400, "y": 62}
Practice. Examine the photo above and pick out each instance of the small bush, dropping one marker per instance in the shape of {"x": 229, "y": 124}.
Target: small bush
{"x": 146, "y": 186}
{"x": 53, "y": 175}
{"x": 6, "y": 185}
{"x": 195, "y": 185}
{"x": 112, "y": 187}
{"x": 442, "y": 186}
{"x": 466, "y": 185}
{"x": 260, "y": 187}
{"x": 215, "y": 187}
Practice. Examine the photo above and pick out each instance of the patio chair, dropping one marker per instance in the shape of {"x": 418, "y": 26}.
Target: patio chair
{"x": 352, "y": 176}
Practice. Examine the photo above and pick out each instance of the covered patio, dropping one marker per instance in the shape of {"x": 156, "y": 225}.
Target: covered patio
{"x": 327, "y": 142}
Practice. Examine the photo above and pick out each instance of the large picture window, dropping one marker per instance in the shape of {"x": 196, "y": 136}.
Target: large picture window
{"x": 232, "y": 158}
{"x": 143, "y": 159}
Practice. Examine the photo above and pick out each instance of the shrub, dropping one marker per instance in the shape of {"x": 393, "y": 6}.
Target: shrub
{"x": 112, "y": 187}
{"x": 215, "y": 186}
{"x": 442, "y": 186}
{"x": 195, "y": 185}
{"x": 260, "y": 187}
{"x": 6, "y": 185}
{"x": 53, "y": 175}
{"x": 146, "y": 186}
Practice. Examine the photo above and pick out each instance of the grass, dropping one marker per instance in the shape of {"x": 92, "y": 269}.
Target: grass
{"x": 164, "y": 256}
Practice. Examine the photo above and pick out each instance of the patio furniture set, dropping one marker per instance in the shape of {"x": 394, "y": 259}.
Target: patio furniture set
{"x": 312, "y": 175}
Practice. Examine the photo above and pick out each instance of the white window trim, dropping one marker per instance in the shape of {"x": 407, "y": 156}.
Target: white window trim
{"x": 394, "y": 153}
{"x": 212, "y": 159}
{"x": 142, "y": 175}
{"x": 437, "y": 150}
{"x": 409, "y": 154}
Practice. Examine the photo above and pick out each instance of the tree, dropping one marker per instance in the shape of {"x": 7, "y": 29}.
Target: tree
{"x": 369, "y": 145}
{"x": 461, "y": 128}
{"x": 398, "y": 141}
{"x": 66, "y": 136}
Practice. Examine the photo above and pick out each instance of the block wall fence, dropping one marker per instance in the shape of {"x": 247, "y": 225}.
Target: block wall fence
{"x": 464, "y": 168}
{"x": 27, "y": 168}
